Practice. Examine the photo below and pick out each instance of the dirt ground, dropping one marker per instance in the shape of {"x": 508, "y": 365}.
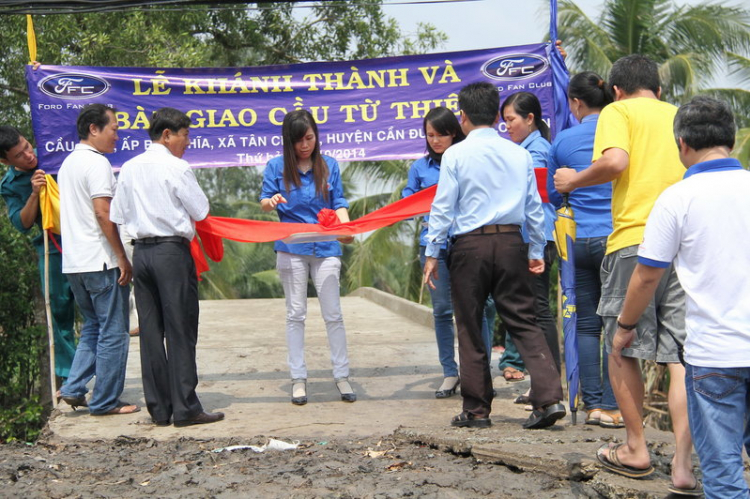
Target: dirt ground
{"x": 370, "y": 468}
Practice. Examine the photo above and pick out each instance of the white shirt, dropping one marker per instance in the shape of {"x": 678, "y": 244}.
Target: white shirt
{"x": 158, "y": 196}
{"x": 84, "y": 176}
{"x": 486, "y": 179}
{"x": 703, "y": 223}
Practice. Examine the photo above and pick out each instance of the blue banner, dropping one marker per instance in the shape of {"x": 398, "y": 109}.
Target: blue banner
{"x": 366, "y": 110}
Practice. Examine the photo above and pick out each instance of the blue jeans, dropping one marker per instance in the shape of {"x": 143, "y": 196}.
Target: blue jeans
{"x": 103, "y": 346}
{"x": 719, "y": 412}
{"x": 596, "y": 390}
{"x": 442, "y": 311}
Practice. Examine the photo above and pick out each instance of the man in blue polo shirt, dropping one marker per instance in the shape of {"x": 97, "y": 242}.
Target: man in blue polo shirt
{"x": 699, "y": 224}
{"x": 20, "y": 189}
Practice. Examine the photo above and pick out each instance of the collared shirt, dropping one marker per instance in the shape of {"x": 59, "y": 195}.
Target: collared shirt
{"x": 303, "y": 204}
{"x": 85, "y": 175}
{"x": 158, "y": 196}
{"x": 701, "y": 224}
{"x": 484, "y": 180}
{"x": 539, "y": 149}
{"x": 423, "y": 173}
{"x": 16, "y": 190}
{"x": 592, "y": 206}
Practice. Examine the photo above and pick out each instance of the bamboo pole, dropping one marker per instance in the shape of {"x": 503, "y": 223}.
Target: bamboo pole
{"x": 50, "y": 331}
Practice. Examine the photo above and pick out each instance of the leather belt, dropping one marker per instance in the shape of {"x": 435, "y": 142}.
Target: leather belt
{"x": 164, "y": 239}
{"x": 492, "y": 229}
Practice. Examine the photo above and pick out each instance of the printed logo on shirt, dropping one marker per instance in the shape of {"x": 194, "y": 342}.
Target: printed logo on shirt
{"x": 73, "y": 86}
{"x": 515, "y": 67}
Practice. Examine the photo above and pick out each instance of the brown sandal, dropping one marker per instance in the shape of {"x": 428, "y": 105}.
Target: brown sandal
{"x": 611, "y": 419}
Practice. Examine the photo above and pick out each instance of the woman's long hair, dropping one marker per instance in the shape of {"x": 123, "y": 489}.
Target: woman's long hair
{"x": 444, "y": 122}
{"x": 293, "y": 129}
{"x": 524, "y": 104}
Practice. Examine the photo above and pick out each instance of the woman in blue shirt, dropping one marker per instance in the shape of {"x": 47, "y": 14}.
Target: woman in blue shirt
{"x": 298, "y": 185}
{"x": 587, "y": 95}
{"x": 442, "y": 130}
{"x": 522, "y": 113}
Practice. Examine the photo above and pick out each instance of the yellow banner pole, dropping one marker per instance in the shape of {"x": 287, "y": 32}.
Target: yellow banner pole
{"x": 31, "y": 38}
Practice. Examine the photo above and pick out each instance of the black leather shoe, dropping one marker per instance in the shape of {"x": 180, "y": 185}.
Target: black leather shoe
{"x": 76, "y": 402}
{"x": 447, "y": 389}
{"x": 544, "y": 417}
{"x": 468, "y": 420}
{"x": 201, "y": 418}
{"x": 345, "y": 390}
{"x": 161, "y": 422}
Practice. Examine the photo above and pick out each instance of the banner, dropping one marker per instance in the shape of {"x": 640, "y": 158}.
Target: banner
{"x": 366, "y": 110}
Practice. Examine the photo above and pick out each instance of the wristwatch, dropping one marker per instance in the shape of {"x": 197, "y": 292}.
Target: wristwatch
{"x": 626, "y": 327}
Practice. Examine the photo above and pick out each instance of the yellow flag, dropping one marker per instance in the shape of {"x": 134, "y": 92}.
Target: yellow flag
{"x": 31, "y": 38}
{"x": 49, "y": 202}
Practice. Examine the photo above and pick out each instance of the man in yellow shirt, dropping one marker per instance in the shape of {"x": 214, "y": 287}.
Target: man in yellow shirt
{"x": 635, "y": 149}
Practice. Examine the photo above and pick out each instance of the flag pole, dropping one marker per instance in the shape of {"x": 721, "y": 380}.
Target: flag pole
{"x": 50, "y": 331}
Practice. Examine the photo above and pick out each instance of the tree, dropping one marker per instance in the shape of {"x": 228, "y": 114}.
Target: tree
{"x": 691, "y": 44}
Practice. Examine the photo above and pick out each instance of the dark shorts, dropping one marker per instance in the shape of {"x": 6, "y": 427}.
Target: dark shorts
{"x": 660, "y": 334}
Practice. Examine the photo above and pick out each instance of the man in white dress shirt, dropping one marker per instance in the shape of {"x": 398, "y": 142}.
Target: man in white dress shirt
{"x": 158, "y": 201}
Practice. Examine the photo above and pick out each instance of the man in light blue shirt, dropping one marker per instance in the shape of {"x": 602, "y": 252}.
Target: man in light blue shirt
{"x": 487, "y": 190}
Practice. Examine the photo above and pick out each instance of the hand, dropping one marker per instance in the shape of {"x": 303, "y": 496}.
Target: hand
{"x": 345, "y": 239}
{"x": 430, "y": 271}
{"x": 35, "y": 65}
{"x": 561, "y": 49}
{"x": 536, "y": 265}
{"x": 622, "y": 339}
{"x": 276, "y": 199}
{"x": 126, "y": 271}
{"x": 38, "y": 181}
{"x": 564, "y": 180}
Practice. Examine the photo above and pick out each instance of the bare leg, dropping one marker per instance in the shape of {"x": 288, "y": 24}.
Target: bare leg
{"x": 627, "y": 384}
{"x": 682, "y": 465}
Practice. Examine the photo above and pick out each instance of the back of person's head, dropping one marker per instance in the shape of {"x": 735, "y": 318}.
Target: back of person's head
{"x": 704, "y": 123}
{"x": 633, "y": 73}
{"x": 589, "y": 88}
{"x": 444, "y": 122}
{"x": 92, "y": 114}
{"x": 167, "y": 118}
{"x": 9, "y": 138}
{"x": 480, "y": 103}
{"x": 524, "y": 104}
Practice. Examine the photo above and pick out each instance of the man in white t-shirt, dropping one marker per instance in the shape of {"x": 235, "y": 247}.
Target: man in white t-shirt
{"x": 95, "y": 264}
{"x": 699, "y": 224}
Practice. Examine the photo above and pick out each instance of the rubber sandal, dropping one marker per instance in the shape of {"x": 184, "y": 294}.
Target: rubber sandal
{"x": 611, "y": 419}
{"x": 512, "y": 374}
{"x": 682, "y": 491}
{"x": 121, "y": 408}
{"x": 468, "y": 420}
{"x": 593, "y": 416}
{"x": 607, "y": 456}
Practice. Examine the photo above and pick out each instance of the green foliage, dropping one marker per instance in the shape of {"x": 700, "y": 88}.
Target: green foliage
{"x": 691, "y": 44}
{"x": 22, "y": 341}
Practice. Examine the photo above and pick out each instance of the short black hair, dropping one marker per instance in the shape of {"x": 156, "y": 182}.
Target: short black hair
{"x": 9, "y": 138}
{"x": 633, "y": 73}
{"x": 704, "y": 123}
{"x": 480, "y": 102}
{"x": 92, "y": 114}
{"x": 167, "y": 118}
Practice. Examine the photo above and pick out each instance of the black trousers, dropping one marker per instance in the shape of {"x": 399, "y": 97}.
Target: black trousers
{"x": 166, "y": 296}
{"x": 544, "y": 316}
{"x": 497, "y": 265}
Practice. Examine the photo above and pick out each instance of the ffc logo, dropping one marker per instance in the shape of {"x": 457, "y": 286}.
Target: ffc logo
{"x": 73, "y": 86}
{"x": 515, "y": 67}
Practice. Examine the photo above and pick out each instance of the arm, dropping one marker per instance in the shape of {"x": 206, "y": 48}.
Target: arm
{"x": 554, "y": 197}
{"x": 612, "y": 163}
{"x": 412, "y": 181}
{"x": 101, "y": 211}
{"x": 30, "y": 210}
{"x": 270, "y": 197}
{"x": 343, "y": 215}
{"x": 641, "y": 289}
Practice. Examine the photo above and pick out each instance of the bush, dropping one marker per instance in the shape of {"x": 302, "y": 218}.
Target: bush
{"x": 22, "y": 340}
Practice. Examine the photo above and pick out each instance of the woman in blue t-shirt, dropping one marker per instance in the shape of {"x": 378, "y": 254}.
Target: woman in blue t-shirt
{"x": 592, "y": 209}
{"x": 299, "y": 185}
{"x": 522, "y": 113}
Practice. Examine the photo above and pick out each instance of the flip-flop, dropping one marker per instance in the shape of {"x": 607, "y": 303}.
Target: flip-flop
{"x": 696, "y": 491}
{"x": 120, "y": 408}
{"x": 607, "y": 456}
{"x": 512, "y": 374}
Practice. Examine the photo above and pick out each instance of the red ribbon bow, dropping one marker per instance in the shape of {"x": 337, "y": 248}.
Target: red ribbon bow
{"x": 328, "y": 218}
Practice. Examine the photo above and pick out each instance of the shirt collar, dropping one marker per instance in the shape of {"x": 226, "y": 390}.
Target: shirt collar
{"x": 715, "y": 165}
{"x": 590, "y": 117}
{"x": 531, "y": 138}
{"x": 159, "y": 148}
{"x": 86, "y": 147}
{"x": 15, "y": 172}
